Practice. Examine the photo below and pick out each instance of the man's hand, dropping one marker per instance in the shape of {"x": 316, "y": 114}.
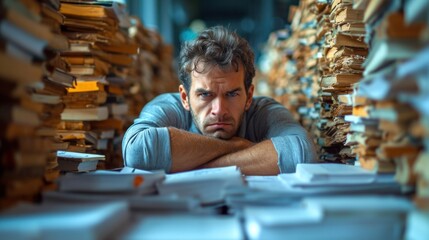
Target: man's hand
{"x": 241, "y": 143}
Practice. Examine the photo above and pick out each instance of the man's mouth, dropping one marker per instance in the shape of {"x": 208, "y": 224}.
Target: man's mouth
{"x": 218, "y": 125}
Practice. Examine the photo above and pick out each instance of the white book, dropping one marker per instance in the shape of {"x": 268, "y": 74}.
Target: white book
{"x": 27, "y": 42}
{"x": 81, "y": 157}
{"x": 78, "y": 162}
{"x": 85, "y": 114}
{"x": 333, "y": 172}
{"x": 63, "y": 221}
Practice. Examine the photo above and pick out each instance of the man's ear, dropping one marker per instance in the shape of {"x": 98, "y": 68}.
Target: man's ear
{"x": 184, "y": 97}
{"x": 249, "y": 97}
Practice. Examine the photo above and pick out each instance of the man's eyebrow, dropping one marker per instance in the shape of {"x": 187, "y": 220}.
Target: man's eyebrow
{"x": 202, "y": 90}
{"x": 235, "y": 90}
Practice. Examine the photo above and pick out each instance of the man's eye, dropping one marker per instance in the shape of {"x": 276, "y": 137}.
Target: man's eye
{"x": 232, "y": 94}
{"x": 204, "y": 95}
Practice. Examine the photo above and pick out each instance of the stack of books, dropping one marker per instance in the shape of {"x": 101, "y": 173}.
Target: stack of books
{"x": 31, "y": 98}
{"x": 384, "y": 117}
{"x": 64, "y": 67}
{"x": 156, "y": 73}
{"x": 55, "y": 83}
{"x": 343, "y": 51}
{"x": 395, "y": 75}
{"x": 98, "y": 48}
{"x": 116, "y": 62}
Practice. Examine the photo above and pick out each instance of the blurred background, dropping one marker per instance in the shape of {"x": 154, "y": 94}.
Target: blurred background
{"x": 181, "y": 20}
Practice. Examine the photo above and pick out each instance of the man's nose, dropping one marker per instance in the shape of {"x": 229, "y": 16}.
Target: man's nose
{"x": 219, "y": 106}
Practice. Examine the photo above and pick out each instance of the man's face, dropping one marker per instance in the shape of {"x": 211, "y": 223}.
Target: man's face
{"x": 217, "y": 100}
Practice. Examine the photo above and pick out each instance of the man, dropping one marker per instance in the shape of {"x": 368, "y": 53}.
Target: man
{"x": 214, "y": 120}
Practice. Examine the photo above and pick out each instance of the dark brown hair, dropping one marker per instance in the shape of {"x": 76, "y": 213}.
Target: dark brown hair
{"x": 216, "y": 46}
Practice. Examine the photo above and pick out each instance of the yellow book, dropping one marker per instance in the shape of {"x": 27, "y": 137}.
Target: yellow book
{"x": 87, "y": 11}
{"x": 86, "y": 86}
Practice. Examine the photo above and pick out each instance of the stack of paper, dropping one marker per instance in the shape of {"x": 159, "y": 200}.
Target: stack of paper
{"x": 350, "y": 217}
{"x": 104, "y": 181}
{"x": 59, "y": 221}
{"x": 333, "y": 173}
{"x": 184, "y": 226}
{"x": 137, "y": 187}
{"x": 137, "y": 203}
{"x": 337, "y": 178}
{"x": 208, "y": 185}
{"x": 327, "y": 174}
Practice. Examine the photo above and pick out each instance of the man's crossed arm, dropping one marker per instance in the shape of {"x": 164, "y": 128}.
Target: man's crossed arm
{"x": 190, "y": 151}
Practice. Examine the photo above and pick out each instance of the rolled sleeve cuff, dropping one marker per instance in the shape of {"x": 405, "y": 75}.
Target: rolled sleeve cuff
{"x": 149, "y": 150}
{"x": 292, "y": 150}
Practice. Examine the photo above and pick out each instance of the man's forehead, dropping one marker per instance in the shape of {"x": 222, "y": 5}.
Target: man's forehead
{"x": 206, "y": 67}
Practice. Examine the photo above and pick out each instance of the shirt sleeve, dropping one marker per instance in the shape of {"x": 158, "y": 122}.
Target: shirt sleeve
{"x": 292, "y": 142}
{"x": 146, "y": 143}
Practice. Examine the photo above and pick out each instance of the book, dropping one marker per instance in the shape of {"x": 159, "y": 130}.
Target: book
{"x": 62, "y": 77}
{"x": 79, "y": 156}
{"x": 46, "y": 98}
{"x": 385, "y": 52}
{"x": 344, "y": 40}
{"x": 78, "y": 162}
{"x": 118, "y": 109}
{"x": 393, "y": 112}
{"x": 377, "y": 8}
{"x": 119, "y": 47}
{"x": 352, "y": 28}
{"x": 415, "y": 11}
{"x": 28, "y": 73}
{"x": 85, "y": 114}
{"x": 349, "y": 15}
{"x": 18, "y": 114}
{"x": 393, "y": 26}
{"x": 340, "y": 80}
{"x": 70, "y": 221}
{"x": 52, "y": 12}
{"x": 37, "y": 47}
{"x": 87, "y": 11}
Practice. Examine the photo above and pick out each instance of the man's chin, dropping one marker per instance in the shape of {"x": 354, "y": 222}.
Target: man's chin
{"x": 220, "y": 134}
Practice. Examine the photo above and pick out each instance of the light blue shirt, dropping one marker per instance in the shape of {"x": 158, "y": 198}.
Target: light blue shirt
{"x": 146, "y": 143}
